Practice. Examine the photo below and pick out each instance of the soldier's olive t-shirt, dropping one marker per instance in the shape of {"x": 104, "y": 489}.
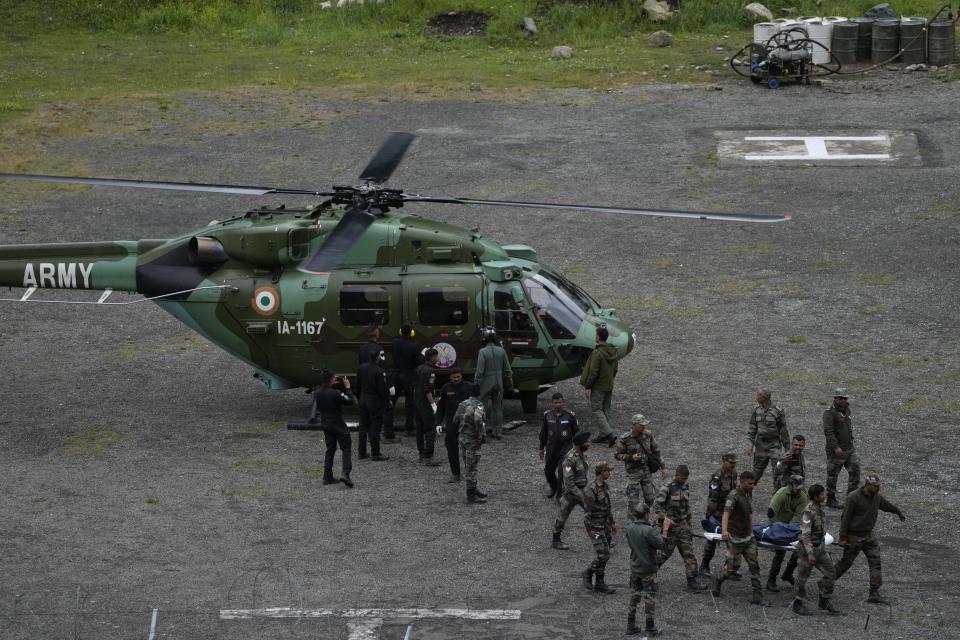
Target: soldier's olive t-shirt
{"x": 739, "y": 507}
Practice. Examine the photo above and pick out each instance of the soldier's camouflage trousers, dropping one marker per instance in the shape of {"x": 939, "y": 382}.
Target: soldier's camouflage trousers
{"x": 748, "y": 550}
{"x": 643, "y": 588}
{"x": 851, "y": 461}
{"x": 567, "y": 502}
{"x": 681, "y": 538}
{"x": 870, "y": 548}
{"x": 637, "y": 485}
{"x": 471, "y": 458}
{"x": 763, "y": 457}
{"x": 601, "y": 547}
{"x": 824, "y": 566}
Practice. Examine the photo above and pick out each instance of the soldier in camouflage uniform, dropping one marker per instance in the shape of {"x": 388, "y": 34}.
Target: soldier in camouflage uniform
{"x": 856, "y": 532}
{"x": 786, "y": 507}
{"x": 791, "y": 464}
{"x": 469, "y": 420}
{"x": 737, "y": 528}
{"x": 673, "y": 502}
{"x": 722, "y": 482}
{"x": 574, "y": 482}
{"x": 768, "y": 434}
{"x": 640, "y": 455}
{"x": 838, "y": 432}
{"x": 600, "y": 528}
{"x": 644, "y": 541}
{"x": 812, "y": 553}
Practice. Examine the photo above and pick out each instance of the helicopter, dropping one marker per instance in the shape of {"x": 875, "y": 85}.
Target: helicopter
{"x": 292, "y": 292}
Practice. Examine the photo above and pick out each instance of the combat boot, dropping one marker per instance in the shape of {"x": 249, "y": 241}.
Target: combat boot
{"x": 705, "y": 569}
{"x": 453, "y": 478}
{"x": 694, "y": 585}
{"x": 875, "y": 597}
{"x": 480, "y": 494}
{"x": 329, "y": 480}
{"x": 632, "y": 628}
{"x": 651, "y": 630}
{"x": 587, "y": 579}
{"x": 717, "y": 583}
{"x": 758, "y": 600}
{"x": 828, "y": 607}
{"x": 788, "y": 577}
{"x": 772, "y": 585}
{"x": 601, "y": 586}
{"x": 801, "y": 609}
{"x": 832, "y": 501}
{"x": 430, "y": 461}
{"x": 474, "y": 498}
{"x": 558, "y": 543}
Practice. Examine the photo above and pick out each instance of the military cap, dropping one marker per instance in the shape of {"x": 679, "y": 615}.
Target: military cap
{"x": 600, "y": 467}
{"x": 873, "y": 479}
{"x": 638, "y": 418}
{"x": 581, "y": 437}
{"x": 729, "y": 455}
{"x": 840, "y": 392}
{"x": 796, "y": 480}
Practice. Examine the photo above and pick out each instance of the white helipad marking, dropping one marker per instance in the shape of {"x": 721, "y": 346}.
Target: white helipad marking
{"x": 817, "y": 148}
{"x": 29, "y": 292}
{"x": 103, "y": 297}
{"x": 291, "y": 612}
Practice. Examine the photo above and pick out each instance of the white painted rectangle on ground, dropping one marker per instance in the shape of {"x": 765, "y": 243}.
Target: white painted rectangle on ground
{"x": 820, "y": 148}
{"x": 383, "y": 614}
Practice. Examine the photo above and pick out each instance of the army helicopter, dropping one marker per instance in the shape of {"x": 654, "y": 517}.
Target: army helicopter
{"x": 293, "y": 291}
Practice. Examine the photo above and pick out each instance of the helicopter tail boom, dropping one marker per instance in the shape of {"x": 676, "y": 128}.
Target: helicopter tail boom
{"x": 75, "y": 265}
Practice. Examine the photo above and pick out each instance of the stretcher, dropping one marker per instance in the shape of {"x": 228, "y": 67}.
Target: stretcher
{"x": 764, "y": 544}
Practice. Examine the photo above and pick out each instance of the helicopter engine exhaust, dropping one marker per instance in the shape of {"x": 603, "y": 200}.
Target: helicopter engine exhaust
{"x": 207, "y": 250}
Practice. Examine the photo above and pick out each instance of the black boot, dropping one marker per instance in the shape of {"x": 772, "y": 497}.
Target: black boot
{"x": 651, "y": 630}
{"x": 587, "y": 579}
{"x": 788, "y": 577}
{"x": 832, "y": 501}
{"x": 480, "y": 494}
{"x": 772, "y": 584}
{"x": 345, "y": 479}
{"x": 828, "y": 607}
{"x": 601, "y": 586}
{"x": 875, "y": 597}
{"x": 705, "y": 569}
{"x": 694, "y": 585}
{"x": 632, "y": 628}
{"x": 474, "y": 498}
{"x": 558, "y": 543}
{"x": 800, "y": 609}
{"x": 757, "y": 599}
{"x": 329, "y": 480}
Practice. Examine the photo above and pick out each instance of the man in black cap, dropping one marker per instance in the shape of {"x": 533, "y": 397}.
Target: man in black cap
{"x": 574, "y": 482}
{"x": 374, "y": 402}
{"x": 425, "y": 379}
{"x": 328, "y": 403}
{"x": 371, "y": 346}
{"x": 406, "y": 359}
{"x": 448, "y": 399}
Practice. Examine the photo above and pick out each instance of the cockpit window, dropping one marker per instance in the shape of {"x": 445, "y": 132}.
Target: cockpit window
{"x": 561, "y": 313}
{"x": 576, "y": 294}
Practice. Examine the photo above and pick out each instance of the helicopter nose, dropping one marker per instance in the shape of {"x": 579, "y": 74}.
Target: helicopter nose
{"x": 631, "y": 340}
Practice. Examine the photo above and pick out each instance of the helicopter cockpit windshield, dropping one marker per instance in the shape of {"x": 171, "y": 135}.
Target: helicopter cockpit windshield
{"x": 561, "y": 305}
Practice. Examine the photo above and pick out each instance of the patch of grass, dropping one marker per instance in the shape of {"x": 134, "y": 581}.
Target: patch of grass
{"x": 797, "y": 340}
{"x": 152, "y": 500}
{"x": 753, "y": 182}
{"x": 313, "y": 472}
{"x": 899, "y": 361}
{"x": 91, "y": 444}
{"x": 244, "y": 464}
{"x": 639, "y": 303}
{"x": 7, "y": 218}
{"x": 824, "y": 265}
{"x": 692, "y": 172}
{"x": 712, "y": 158}
{"x": 786, "y": 291}
{"x": 733, "y": 288}
{"x": 923, "y": 403}
{"x": 875, "y": 279}
{"x": 940, "y": 210}
{"x": 684, "y": 314}
{"x": 798, "y": 376}
{"x": 874, "y": 310}
{"x": 270, "y": 427}
{"x": 759, "y": 249}
{"x": 662, "y": 262}
{"x": 251, "y": 491}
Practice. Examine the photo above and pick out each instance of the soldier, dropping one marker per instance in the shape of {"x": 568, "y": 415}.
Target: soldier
{"x": 423, "y": 400}
{"x": 374, "y": 402}
{"x": 574, "y": 481}
{"x": 768, "y": 433}
{"x": 641, "y": 456}
{"x": 494, "y": 376}
{"x": 813, "y": 554}
{"x": 371, "y": 346}
{"x": 600, "y": 528}
{"x": 470, "y": 422}
{"x": 856, "y": 532}
{"x": 644, "y": 541}
{"x": 328, "y": 403}
{"x": 406, "y": 359}
{"x": 556, "y": 437}
{"x": 597, "y": 378}
{"x": 722, "y": 482}
{"x": 737, "y": 529}
{"x": 673, "y": 502}
{"x": 786, "y": 506}
{"x": 792, "y": 463}
{"x": 449, "y": 399}
{"x": 838, "y": 431}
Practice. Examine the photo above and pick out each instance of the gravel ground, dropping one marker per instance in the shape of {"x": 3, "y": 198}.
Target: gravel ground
{"x": 141, "y": 467}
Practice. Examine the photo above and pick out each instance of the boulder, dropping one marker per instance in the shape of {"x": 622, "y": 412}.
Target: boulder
{"x": 758, "y": 11}
{"x": 660, "y": 39}
{"x": 881, "y": 11}
{"x": 657, "y": 10}
{"x": 529, "y": 25}
{"x": 562, "y": 52}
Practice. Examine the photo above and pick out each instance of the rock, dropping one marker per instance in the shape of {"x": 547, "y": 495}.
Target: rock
{"x": 326, "y": 5}
{"x": 665, "y": 67}
{"x": 562, "y": 52}
{"x": 881, "y": 11}
{"x": 910, "y": 68}
{"x": 658, "y": 10}
{"x": 933, "y": 67}
{"x": 788, "y": 12}
{"x": 529, "y": 25}
{"x": 660, "y": 39}
{"x": 758, "y": 11}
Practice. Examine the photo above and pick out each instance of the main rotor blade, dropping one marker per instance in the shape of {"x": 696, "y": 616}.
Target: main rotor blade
{"x": 664, "y": 213}
{"x": 339, "y": 241}
{"x": 173, "y": 186}
{"x": 386, "y": 159}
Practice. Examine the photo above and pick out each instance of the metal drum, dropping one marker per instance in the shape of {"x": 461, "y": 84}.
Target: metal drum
{"x": 820, "y": 33}
{"x": 864, "y": 38}
{"x": 844, "y": 41}
{"x": 942, "y": 38}
{"x": 885, "y": 41}
{"x": 913, "y": 40}
{"x": 763, "y": 31}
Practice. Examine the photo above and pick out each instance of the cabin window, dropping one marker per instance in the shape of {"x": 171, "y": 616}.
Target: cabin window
{"x": 364, "y": 305}
{"x": 508, "y": 316}
{"x": 440, "y": 306}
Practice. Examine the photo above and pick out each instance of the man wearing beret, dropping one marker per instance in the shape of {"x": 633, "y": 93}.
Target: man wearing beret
{"x": 574, "y": 482}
